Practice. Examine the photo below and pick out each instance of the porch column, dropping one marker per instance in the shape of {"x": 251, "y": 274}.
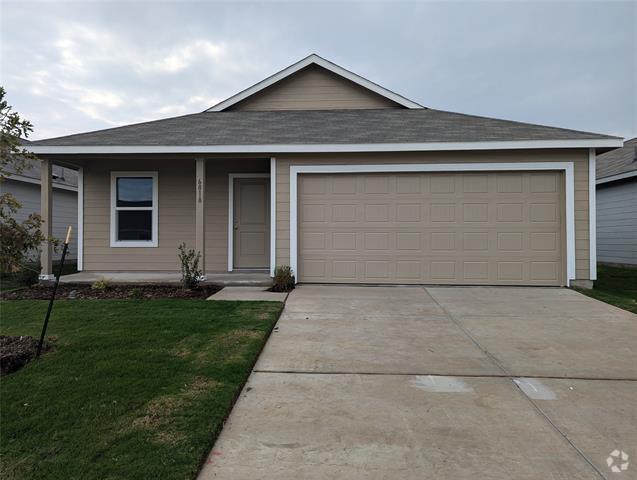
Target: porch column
{"x": 200, "y": 211}
{"x": 46, "y": 212}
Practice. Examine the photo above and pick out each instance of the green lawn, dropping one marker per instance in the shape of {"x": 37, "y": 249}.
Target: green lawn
{"x": 615, "y": 285}
{"x": 136, "y": 389}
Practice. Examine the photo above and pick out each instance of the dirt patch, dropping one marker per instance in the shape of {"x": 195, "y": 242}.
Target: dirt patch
{"x": 17, "y": 351}
{"x": 76, "y": 291}
{"x": 159, "y": 412}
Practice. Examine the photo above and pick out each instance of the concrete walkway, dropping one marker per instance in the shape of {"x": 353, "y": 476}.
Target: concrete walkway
{"x": 437, "y": 383}
{"x": 248, "y": 294}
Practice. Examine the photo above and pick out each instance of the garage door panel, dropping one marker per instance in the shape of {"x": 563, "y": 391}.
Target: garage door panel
{"x": 461, "y": 228}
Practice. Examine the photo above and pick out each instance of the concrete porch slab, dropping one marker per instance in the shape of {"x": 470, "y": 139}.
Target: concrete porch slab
{"x": 170, "y": 278}
{"x": 314, "y": 426}
{"x": 260, "y": 294}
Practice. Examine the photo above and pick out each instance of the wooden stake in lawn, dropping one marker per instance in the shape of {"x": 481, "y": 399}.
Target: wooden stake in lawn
{"x": 55, "y": 287}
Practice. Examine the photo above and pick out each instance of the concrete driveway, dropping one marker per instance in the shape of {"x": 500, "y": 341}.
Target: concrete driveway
{"x": 440, "y": 383}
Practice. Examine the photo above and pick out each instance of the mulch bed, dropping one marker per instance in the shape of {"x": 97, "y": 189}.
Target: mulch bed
{"x": 17, "y": 351}
{"x": 72, "y": 291}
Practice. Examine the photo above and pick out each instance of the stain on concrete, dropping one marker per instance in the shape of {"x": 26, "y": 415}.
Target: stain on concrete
{"x": 440, "y": 384}
{"x": 535, "y": 389}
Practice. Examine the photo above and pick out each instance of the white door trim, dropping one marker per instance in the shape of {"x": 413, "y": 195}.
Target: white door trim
{"x": 231, "y": 177}
{"x": 566, "y": 167}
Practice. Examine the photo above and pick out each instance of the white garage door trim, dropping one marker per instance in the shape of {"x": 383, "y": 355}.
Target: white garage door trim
{"x": 566, "y": 167}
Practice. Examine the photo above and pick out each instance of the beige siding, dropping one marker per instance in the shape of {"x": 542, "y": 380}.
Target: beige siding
{"x": 314, "y": 88}
{"x": 177, "y": 207}
{"x": 579, "y": 157}
{"x": 176, "y": 189}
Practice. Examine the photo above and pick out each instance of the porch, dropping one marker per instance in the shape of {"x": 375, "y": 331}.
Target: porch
{"x": 236, "y": 278}
{"x": 133, "y": 213}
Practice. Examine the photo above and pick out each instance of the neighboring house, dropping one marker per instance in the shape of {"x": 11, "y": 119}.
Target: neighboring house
{"x": 345, "y": 181}
{"x": 617, "y": 205}
{"x": 25, "y": 187}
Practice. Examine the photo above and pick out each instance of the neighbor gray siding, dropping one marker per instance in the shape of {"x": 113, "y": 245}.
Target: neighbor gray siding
{"x": 617, "y": 223}
{"x": 64, "y": 208}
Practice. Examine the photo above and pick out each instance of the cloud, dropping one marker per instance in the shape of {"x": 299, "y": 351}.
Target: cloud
{"x": 89, "y": 65}
{"x": 184, "y": 56}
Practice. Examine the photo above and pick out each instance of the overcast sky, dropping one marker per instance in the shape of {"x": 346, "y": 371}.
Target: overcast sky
{"x": 72, "y": 67}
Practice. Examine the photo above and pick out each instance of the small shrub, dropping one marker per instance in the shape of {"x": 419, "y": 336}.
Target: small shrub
{"x": 190, "y": 271}
{"x": 283, "y": 279}
{"x": 101, "y": 284}
{"x": 136, "y": 292}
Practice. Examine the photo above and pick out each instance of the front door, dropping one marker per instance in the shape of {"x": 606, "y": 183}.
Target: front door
{"x": 251, "y": 245}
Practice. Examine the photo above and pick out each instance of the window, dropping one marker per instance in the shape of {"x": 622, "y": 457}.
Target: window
{"x": 133, "y": 209}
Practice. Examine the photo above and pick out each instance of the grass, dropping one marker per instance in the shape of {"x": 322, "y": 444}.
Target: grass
{"x": 136, "y": 389}
{"x": 615, "y": 285}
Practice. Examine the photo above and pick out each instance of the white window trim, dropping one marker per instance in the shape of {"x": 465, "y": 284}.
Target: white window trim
{"x": 566, "y": 167}
{"x": 231, "y": 178}
{"x": 155, "y": 209}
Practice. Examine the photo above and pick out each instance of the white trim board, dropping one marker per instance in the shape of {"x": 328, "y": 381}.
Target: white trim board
{"x": 326, "y": 148}
{"x": 80, "y": 219}
{"x": 231, "y": 178}
{"x": 272, "y": 215}
{"x": 592, "y": 215}
{"x": 566, "y": 167}
{"x": 619, "y": 176}
{"x": 321, "y": 62}
{"x": 155, "y": 209}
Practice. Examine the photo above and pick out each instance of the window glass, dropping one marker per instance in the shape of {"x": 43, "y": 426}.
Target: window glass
{"x": 134, "y": 225}
{"x": 134, "y": 192}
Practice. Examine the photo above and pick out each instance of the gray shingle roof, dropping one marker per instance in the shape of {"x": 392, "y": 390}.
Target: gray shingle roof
{"x": 319, "y": 127}
{"x": 616, "y": 162}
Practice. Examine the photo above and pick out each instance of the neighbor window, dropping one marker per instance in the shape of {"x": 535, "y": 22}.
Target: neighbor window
{"x": 134, "y": 209}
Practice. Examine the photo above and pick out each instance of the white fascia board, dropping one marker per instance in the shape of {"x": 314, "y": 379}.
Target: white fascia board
{"x": 324, "y": 148}
{"x": 313, "y": 59}
{"x": 566, "y": 167}
{"x": 619, "y": 176}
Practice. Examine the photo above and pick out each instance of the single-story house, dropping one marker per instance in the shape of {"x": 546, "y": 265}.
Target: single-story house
{"x": 345, "y": 181}
{"x": 617, "y": 205}
{"x": 25, "y": 187}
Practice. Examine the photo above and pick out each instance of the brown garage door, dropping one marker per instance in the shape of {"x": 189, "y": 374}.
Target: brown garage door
{"x": 500, "y": 228}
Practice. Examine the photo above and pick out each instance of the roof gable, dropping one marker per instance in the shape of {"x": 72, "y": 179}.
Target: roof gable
{"x": 314, "y": 83}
